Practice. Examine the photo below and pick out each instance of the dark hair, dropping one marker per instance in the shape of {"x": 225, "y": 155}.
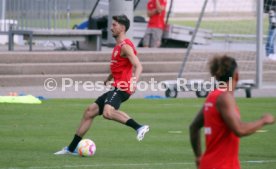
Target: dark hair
{"x": 122, "y": 19}
{"x": 222, "y": 67}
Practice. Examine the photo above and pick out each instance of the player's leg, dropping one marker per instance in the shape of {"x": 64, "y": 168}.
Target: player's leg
{"x": 269, "y": 41}
{"x": 146, "y": 38}
{"x": 273, "y": 41}
{"x": 112, "y": 104}
{"x": 157, "y": 37}
{"x": 89, "y": 114}
{"x": 111, "y": 112}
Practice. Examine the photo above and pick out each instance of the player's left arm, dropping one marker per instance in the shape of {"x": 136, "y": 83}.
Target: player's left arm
{"x": 195, "y": 127}
{"x": 109, "y": 78}
{"x": 226, "y": 106}
{"x": 128, "y": 52}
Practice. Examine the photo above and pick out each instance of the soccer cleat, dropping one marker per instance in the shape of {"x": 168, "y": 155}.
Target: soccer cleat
{"x": 65, "y": 151}
{"x": 141, "y": 132}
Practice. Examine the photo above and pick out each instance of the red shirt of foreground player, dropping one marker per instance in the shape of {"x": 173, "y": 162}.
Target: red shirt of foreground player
{"x": 222, "y": 145}
{"x": 220, "y": 118}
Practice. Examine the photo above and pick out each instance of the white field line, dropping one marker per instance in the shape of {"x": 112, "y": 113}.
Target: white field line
{"x": 102, "y": 165}
{"x": 128, "y": 164}
{"x": 175, "y": 132}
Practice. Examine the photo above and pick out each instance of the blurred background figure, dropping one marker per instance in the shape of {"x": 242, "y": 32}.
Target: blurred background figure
{"x": 156, "y": 11}
{"x": 269, "y": 7}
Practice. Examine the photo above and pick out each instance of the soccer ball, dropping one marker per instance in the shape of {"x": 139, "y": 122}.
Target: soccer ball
{"x": 86, "y": 148}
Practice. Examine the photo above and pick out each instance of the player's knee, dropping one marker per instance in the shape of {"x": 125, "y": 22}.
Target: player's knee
{"x": 107, "y": 113}
{"x": 91, "y": 111}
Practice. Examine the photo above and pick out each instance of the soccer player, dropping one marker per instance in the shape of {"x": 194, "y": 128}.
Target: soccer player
{"x": 156, "y": 11}
{"x": 123, "y": 60}
{"x": 220, "y": 118}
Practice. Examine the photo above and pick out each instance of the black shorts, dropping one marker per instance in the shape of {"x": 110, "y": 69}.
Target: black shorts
{"x": 113, "y": 97}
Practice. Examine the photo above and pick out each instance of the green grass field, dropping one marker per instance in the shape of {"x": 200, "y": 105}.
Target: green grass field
{"x": 30, "y": 134}
{"x": 243, "y": 26}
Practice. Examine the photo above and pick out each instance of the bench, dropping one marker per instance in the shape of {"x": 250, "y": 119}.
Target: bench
{"x": 92, "y": 38}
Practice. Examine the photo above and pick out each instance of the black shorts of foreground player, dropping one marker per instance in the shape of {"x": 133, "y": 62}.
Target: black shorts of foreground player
{"x": 123, "y": 60}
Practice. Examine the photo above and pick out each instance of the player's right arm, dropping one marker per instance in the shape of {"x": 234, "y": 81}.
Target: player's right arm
{"x": 151, "y": 12}
{"x": 227, "y": 107}
{"x": 195, "y": 127}
{"x": 109, "y": 78}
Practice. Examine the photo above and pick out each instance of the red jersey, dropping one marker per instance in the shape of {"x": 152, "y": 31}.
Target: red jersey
{"x": 121, "y": 68}
{"x": 157, "y": 20}
{"x": 222, "y": 145}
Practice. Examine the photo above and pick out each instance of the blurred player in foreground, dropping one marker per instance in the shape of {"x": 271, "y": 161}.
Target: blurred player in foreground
{"x": 220, "y": 118}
